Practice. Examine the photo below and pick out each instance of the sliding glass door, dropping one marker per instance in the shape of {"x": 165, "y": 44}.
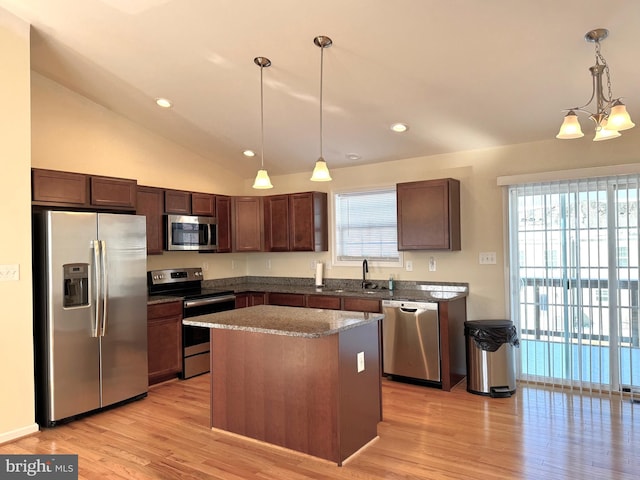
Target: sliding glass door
{"x": 574, "y": 281}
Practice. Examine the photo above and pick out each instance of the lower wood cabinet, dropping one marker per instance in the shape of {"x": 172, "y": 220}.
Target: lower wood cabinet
{"x": 324, "y": 301}
{"x": 164, "y": 341}
{"x": 362, "y": 305}
{"x": 249, "y": 299}
{"x": 287, "y": 299}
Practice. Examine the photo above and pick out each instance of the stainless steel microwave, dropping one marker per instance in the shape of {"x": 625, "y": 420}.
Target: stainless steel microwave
{"x": 188, "y": 232}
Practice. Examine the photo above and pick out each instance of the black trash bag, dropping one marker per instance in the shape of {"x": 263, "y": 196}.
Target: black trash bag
{"x": 490, "y": 337}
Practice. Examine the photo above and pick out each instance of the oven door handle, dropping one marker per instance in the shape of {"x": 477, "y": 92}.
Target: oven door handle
{"x": 208, "y": 301}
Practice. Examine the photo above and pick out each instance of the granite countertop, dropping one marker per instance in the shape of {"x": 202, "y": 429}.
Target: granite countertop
{"x": 410, "y": 291}
{"x": 289, "y": 321}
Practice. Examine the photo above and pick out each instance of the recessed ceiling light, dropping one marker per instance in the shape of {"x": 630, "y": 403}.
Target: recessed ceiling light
{"x": 163, "y": 102}
{"x": 399, "y": 127}
{"x": 353, "y": 156}
{"x": 249, "y": 153}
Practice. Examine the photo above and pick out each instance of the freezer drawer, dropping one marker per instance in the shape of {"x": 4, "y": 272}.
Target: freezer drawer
{"x": 411, "y": 340}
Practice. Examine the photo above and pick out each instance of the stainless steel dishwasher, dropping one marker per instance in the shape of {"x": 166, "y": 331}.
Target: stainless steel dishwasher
{"x": 411, "y": 340}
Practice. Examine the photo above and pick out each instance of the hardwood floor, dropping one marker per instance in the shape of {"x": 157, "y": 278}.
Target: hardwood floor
{"x": 426, "y": 434}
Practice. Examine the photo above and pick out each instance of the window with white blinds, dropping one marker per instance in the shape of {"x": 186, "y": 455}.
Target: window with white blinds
{"x": 365, "y": 226}
{"x": 575, "y": 271}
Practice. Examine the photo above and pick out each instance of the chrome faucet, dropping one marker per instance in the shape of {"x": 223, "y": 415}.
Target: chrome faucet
{"x": 365, "y": 270}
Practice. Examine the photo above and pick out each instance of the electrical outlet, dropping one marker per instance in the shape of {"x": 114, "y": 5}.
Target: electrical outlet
{"x": 9, "y": 273}
{"x": 205, "y": 266}
{"x": 408, "y": 265}
{"x": 432, "y": 264}
{"x": 269, "y": 264}
{"x": 487, "y": 258}
{"x": 360, "y": 362}
{"x": 233, "y": 264}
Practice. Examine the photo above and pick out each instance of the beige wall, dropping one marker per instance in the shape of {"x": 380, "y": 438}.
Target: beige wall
{"x": 16, "y": 333}
{"x": 72, "y": 133}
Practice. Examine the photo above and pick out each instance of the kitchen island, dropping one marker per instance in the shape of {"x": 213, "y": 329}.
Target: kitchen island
{"x": 301, "y": 378}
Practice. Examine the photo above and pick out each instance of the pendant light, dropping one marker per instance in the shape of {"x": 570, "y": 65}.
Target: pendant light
{"x": 321, "y": 172}
{"x": 262, "y": 180}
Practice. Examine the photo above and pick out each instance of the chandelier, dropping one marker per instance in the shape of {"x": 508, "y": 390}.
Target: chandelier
{"x": 262, "y": 180}
{"x": 321, "y": 171}
{"x": 611, "y": 115}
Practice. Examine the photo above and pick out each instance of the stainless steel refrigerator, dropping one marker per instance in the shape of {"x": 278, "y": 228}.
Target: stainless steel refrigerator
{"x": 90, "y": 316}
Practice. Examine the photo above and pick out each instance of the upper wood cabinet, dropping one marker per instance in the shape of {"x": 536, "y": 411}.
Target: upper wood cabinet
{"x": 177, "y": 201}
{"x": 203, "y": 204}
{"x": 223, "y": 215}
{"x": 296, "y": 222}
{"x": 150, "y": 203}
{"x": 116, "y": 193}
{"x": 276, "y": 223}
{"x": 429, "y": 215}
{"x": 51, "y": 187}
{"x": 247, "y": 224}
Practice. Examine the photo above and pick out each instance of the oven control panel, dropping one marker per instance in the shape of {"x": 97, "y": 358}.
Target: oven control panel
{"x": 176, "y": 275}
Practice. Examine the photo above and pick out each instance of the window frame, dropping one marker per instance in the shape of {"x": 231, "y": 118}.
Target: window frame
{"x": 335, "y": 261}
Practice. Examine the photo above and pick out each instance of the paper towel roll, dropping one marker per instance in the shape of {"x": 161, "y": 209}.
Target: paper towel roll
{"x": 319, "y": 266}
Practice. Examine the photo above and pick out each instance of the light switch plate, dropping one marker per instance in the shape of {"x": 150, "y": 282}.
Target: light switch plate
{"x": 360, "y": 362}
{"x": 409, "y": 265}
{"x": 9, "y": 273}
{"x": 487, "y": 258}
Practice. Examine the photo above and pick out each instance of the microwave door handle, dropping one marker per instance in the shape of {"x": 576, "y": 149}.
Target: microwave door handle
{"x": 105, "y": 286}
{"x": 207, "y": 234}
{"x": 96, "y": 288}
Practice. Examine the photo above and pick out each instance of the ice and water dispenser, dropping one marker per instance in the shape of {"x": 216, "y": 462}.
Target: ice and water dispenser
{"x": 76, "y": 285}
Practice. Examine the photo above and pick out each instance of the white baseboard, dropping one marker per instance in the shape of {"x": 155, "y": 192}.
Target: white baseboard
{"x": 18, "y": 433}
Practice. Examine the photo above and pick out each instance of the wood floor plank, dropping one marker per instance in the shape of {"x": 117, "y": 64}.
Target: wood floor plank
{"x": 425, "y": 434}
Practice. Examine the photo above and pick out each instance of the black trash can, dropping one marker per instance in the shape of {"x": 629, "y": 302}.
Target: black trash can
{"x": 491, "y": 357}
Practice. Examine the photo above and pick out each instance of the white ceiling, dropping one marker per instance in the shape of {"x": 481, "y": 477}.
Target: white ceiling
{"x": 464, "y": 74}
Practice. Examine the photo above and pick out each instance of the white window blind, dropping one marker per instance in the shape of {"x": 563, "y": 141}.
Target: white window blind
{"x": 575, "y": 272}
{"x": 366, "y": 226}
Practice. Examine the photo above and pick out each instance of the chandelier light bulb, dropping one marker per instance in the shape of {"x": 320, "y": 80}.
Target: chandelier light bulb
{"x": 321, "y": 171}
{"x": 619, "y": 118}
{"x": 570, "y": 127}
{"x": 262, "y": 180}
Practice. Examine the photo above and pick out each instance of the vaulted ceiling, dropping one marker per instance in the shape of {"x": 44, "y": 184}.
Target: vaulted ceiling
{"x": 463, "y": 74}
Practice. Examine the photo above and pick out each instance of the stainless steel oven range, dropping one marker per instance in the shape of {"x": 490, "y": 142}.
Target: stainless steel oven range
{"x": 186, "y": 283}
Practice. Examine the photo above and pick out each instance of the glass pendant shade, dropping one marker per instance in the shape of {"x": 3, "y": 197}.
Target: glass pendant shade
{"x": 619, "y": 118}
{"x": 570, "y": 127}
{"x": 321, "y": 172}
{"x": 262, "y": 180}
{"x": 603, "y": 133}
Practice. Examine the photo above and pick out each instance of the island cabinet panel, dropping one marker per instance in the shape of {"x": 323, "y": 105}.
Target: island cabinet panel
{"x": 353, "y": 304}
{"x": 150, "y": 203}
{"x": 116, "y": 193}
{"x": 286, "y": 299}
{"x": 64, "y": 188}
{"x": 177, "y": 202}
{"x": 299, "y": 393}
{"x": 164, "y": 341}
{"x": 223, "y": 215}
{"x": 247, "y": 224}
{"x": 429, "y": 215}
{"x": 324, "y": 301}
{"x": 276, "y": 223}
{"x": 203, "y": 204}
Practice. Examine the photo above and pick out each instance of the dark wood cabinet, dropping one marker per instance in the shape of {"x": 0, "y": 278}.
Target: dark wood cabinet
{"x": 164, "y": 341}
{"x": 324, "y": 301}
{"x": 63, "y": 188}
{"x": 177, "y": 202}
{"x": 114, "y": 193}
{"x": 249, "y": 299}
{"x": 276, "y": 223}
{"x": 429, "y": 215}
{"x": 355, "y": 304}
{"x": 203, "y": 204}
{"x": 54, "y": 188}
{"x": 296, "y": 222}
{"x": 223, "y": 215}
{"x": 287, "y": 299}
{"x": 247, "y": 224}
{"x": 150, "y": 203}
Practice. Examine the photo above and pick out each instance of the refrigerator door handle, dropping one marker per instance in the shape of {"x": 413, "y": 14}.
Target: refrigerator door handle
{"x": 105, "y": 286}
{"x": 96, "y": 288}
